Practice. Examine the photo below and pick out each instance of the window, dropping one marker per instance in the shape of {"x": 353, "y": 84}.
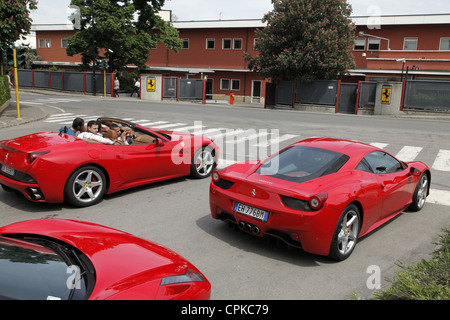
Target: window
{"x": 63, "y": 43}
{"x": 236, "y": 85}
{"x": 445, "y": 44}
{"x": 45, "y": 43}
{"x": 380, "y": 163}
{"x": 224, "y": 84}
{"x": 410, "y": 44}
{"x": 210, "y": 44}
{"x": 255, "y": 41}
{"x": 226, "y": 44}
{"x": 374, "y": 44}
{"x": 185, "y": 44}
{"x": 360, "y": 44}
{"x": 237, "y": 44}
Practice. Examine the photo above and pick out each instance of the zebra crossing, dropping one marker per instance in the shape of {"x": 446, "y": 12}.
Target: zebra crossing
{"x": 269, "y": 142}
{"x": 261, "y": 139}
{"x": 46, "y": 101}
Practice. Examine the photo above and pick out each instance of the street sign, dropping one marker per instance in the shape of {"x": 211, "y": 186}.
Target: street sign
{"x": 151, "y": 84}
{"x": 386, "y": 93}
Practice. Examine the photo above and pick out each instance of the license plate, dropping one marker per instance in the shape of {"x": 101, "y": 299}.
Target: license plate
{"x": 8, "y": 170}
{"x": 256, "y": 213}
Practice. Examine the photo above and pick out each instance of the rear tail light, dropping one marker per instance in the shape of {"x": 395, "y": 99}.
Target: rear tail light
{"x": 33, "y": 155}
{"x": 316, "y": 202}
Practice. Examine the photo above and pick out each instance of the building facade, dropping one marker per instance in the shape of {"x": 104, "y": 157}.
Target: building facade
{"x": 386, "y": 48}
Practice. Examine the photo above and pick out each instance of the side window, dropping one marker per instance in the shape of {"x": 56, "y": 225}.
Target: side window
{"x": 381, "y": 163}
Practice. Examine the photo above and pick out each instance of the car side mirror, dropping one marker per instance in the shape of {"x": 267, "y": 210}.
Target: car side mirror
{"x": 414, "y": 172}
{"x": 159, "y": 142}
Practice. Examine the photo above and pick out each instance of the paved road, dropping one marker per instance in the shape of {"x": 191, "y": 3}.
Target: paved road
{"x": 176, "y": 213}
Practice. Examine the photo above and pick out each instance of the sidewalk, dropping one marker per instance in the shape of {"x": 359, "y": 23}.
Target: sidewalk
{"x": 8, "y": 117}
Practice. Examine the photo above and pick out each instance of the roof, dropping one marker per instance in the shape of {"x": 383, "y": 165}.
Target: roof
{"x": 414, "y": 19}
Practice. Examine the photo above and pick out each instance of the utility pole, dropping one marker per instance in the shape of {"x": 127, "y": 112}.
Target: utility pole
{"x": 94, "y": 56}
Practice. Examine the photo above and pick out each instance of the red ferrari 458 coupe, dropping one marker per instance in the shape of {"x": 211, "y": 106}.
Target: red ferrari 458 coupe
{"x": 319, "y": 194}
{"x": 56, "y": 167}
{"x": 53, "y": 259}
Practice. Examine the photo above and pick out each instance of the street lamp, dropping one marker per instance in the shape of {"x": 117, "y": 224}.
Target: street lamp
{"x": 403, "y": 66}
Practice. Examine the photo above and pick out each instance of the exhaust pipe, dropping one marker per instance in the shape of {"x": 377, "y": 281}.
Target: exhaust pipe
{"x": 249, "y": 228}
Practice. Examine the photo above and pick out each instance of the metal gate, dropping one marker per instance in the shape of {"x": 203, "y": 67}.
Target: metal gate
{"x": 191, "y": 89}
{"x": 347, "y": 98}
{"x": 170, "y": 87}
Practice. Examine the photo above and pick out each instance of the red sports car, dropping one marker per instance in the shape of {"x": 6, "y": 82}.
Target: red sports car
{"x": 52, "y": 167}
{"x": 71, "y": 260}
{"x": 319, "y": 194}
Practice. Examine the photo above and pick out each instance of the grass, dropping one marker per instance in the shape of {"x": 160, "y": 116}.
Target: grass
{"x": 427, "y": 280}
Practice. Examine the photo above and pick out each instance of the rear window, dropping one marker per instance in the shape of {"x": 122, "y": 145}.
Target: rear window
{"x": 300, "y": 164}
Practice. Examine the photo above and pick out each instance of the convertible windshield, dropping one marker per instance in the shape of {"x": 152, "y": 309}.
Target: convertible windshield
{"x": 300, "y": 164}
{"x": 37, "y": 270}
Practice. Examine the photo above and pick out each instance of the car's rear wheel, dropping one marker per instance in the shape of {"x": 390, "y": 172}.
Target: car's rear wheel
{"x": 85, "y": 187}
{"x": 346, "y": 233}
{"x": 203, "y": 162}
{"x": 420, "y": 193}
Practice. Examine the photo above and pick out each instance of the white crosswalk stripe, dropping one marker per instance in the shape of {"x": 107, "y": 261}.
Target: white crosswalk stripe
{"x": 262, "y": 138}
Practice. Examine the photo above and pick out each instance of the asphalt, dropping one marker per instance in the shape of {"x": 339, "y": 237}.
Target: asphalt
{"x": 9, "y": 116}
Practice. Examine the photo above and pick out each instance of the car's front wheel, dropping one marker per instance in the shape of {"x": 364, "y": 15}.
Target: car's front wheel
{"x": 203, "y": 162}
{"x": 346, "y": 234}
{"x": 85, "y": 187}
{"x": 420, "y": 193}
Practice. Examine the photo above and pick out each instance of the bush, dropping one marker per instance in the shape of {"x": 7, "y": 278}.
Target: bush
{"x": 428, "y": 280}
{"x": 5, "y": 91}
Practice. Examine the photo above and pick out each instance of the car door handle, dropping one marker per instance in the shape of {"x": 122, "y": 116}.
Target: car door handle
{"x": 119, "y": 156}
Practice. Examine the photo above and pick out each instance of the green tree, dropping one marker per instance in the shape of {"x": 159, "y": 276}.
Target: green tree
{"x": 305, "y": 39}
{"x": 15, "y": 21}
{"x": 123, "y": 32}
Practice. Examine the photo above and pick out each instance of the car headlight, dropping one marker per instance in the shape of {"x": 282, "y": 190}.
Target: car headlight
{"x": 189, "y": 276}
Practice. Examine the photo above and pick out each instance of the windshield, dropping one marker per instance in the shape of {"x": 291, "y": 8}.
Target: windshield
{"x": 39, "y": 269}
{"x": 300, "y": 164}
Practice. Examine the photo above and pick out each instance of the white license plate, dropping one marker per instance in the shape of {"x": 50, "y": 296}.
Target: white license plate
{"x": 8, "y": 170}
{"x": 256, "y": 213}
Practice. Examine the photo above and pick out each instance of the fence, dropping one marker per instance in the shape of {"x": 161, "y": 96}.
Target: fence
{"x": 427, "y": 95}
{"x": 343, "y": 97}
{"x": 66, "y": 80}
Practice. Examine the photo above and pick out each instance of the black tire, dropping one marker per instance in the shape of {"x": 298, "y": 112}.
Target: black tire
{"x": 345, "y": 234}
{"x": 85, "y": 186}
{"x": 420, "y": 193}
{"x": 203, "y": 162}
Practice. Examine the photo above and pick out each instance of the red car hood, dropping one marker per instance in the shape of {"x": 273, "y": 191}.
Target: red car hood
{"x": 121, "y": 260}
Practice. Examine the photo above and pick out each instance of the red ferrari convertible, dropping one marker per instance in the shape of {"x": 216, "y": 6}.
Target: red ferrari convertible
{"x": 53, "y": 259}
{"x": 319, "y": 194}
{"x": 52, "y": 167}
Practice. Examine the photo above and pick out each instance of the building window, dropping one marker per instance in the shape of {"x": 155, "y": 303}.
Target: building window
{"x": 374, "y": 44}
{"x": 63, "y": 43}
{"x": 226, "y": 44}
{"x": 237, "y": 44}
{"x": 45, "y": 43}
{"x": 255, "y": 41}
{"x": 185, "y": 44}
{"x": 236, "y": 85}
{"x": 224, "y": 84}
{"x": 445, "y": 44}
{"x": 410, "y": 44}
{"x": 360, "y": 44}
{"x": 210, "y": 44}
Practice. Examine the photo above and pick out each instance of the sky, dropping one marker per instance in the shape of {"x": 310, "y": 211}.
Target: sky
{"x": 56, "y": 11}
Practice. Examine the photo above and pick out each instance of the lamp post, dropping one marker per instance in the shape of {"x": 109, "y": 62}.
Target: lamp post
{"x": 94, "y": 56}
{"x": 403, "y": 66}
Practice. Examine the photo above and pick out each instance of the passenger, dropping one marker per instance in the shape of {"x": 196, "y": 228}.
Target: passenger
{"x": 123, "y": 136}
{"x": 92, "y": 133}
{"x": 77, "y": 126}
